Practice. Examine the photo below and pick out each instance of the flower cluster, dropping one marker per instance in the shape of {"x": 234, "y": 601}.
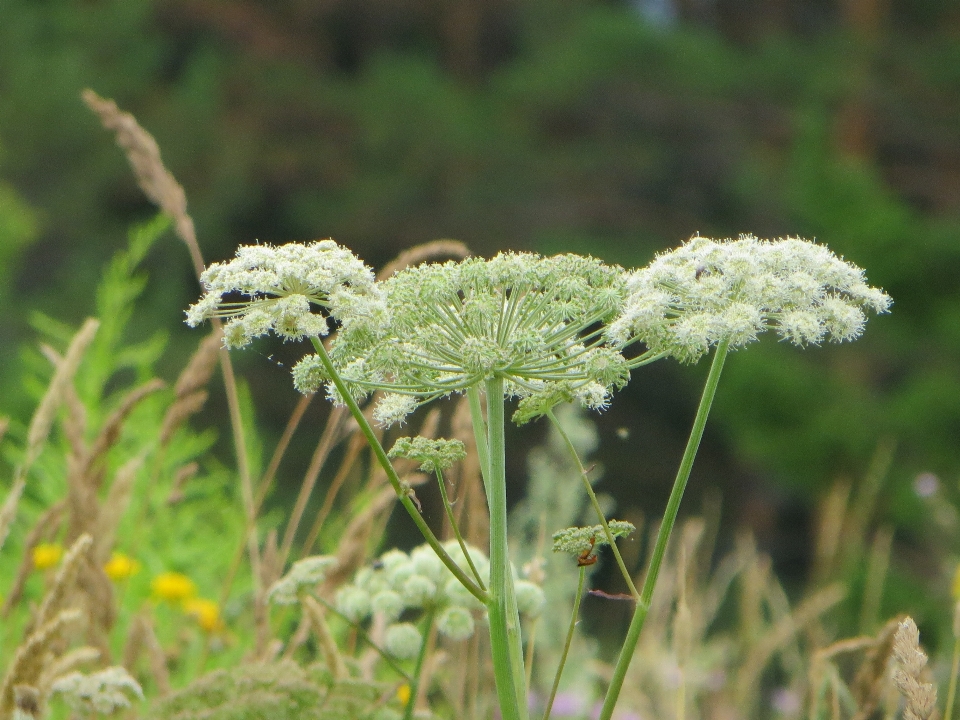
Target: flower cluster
{"x": 709, "y": 291}
{"x": 103, "y": 692}
{"x": 432, "y": 455}
{"x": 399, "y": 582}
{"x": 282, "y": 285}
{"x": 579, "y": 540}
{"x": 303, "y": 574}
{"x": 530, "y": 320}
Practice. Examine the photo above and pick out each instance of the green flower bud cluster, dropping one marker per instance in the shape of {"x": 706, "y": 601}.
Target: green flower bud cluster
{"x": 432, "y": 454}
{"x": 303, "y": 574}
{"x": 398, "y": 583}
{"x": 580, "y": 540}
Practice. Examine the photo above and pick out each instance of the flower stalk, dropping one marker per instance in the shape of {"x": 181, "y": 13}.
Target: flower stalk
{"x": 663, "y": 536}
{"x": 504, "y": 618}
{"x": 567, "y": 642}
{"x": 392, "y": 476}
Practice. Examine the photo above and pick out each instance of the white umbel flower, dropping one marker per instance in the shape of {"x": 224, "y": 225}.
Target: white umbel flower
{"x": 103, "y": 692}
{"x": 708, "y": 291}
{"x": 282, "y": 286}
{"x": 532, "y": 321}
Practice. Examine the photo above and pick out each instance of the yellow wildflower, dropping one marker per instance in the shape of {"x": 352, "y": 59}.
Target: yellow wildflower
{"x": 47, "y": 555}
{"x": 206, "y": 612}
{"x": 120, "y": 566}
{"x": 173, "y": 587}
{"x": 403, "y": 694}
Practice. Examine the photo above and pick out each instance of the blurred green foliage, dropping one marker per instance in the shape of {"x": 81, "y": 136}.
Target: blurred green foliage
{"x": 551, "y": 126}
{"x": 169, "y": 524}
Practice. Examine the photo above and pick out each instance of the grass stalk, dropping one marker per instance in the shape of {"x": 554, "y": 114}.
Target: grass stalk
{"x": 663, "y": 535}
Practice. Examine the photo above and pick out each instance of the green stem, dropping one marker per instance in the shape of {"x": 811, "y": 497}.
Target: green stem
{"x": 502, "y": 605}
{"x": 480, "y": 435}
{"x": 611, "y": 540}
{"x": 392, "y": 476}
{"x": 415, "y": 685}
{"x": 566, "y": 645}
{"x": 456, "y": 529}
{"x": 663, "y": 536}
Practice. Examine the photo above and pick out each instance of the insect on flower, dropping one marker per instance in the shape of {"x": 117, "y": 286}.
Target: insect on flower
{"x": 587, "y": 557}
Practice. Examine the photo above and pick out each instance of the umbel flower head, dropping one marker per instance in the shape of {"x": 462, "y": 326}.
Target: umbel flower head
{"x": 577, "y": 540}
{"x": 532, "y": 321}
{"x": 709, "y": 291}
{"x": 283, "y": 284}
{"x": 432, "y": 454}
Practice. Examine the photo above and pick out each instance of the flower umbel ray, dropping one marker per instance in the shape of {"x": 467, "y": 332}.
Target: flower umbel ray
{"x": 527, "y": 319}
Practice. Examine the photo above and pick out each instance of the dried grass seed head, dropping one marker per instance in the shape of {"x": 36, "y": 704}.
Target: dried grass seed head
{"x": 282, "y": 285}
{"x": 708, "y": 291}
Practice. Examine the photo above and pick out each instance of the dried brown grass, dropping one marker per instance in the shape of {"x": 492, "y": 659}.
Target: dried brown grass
{"x": 909, "y": 675}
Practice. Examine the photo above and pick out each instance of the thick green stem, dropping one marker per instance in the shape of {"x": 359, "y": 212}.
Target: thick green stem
{"x": 567, "y": 643}
{"x": 398, "y": 486}
{"x": 502, "y": 606}
{"x": 588, "y": 486}
{"x": 663, "y": 536}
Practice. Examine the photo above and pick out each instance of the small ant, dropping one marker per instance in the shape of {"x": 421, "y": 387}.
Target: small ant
{"x": 585, "y": 558}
